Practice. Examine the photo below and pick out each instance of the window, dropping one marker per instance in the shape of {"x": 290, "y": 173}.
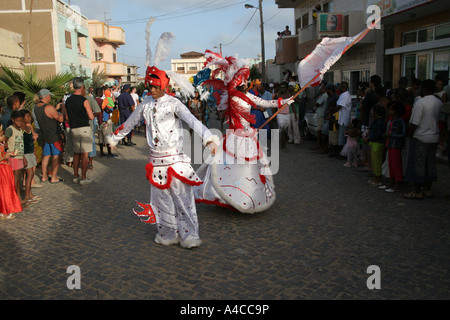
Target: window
{"x": 424, "y": 66}
{"x": 180, "y": 68}
{"x": 409, "y": 38}
{"x": 427, "y": 34}
{"x": 427, "y": 65}
{"x": 114, "y": 57}
{"x": 68, "y": 36}
{"x": 98, "y": 55}
{"x": 409, "y": 65}
{"x": 298, "y": 24}
{"x": 305, "y": 20}
{"x": 354, "y": 78}
{"x": 442, "y": 32}
{"x": 418, "y": 65}
{"x": 192, "y": 68}
{"x": 328, "y": 7}
{"x": 81, "y": 44}
{"x": 441, "y": 64}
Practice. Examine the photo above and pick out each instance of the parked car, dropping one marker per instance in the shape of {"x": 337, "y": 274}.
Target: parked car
{"x": 309, "y": 126}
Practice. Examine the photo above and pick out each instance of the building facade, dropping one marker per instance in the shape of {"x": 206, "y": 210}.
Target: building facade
{"x": 338, "y": 18}
{"x": 417, "y": 39}
{"x": 132, "y": 75}
{"x": 11, "y": 51}
{"x": 105, "y": 40}
{"x": 54, "y": 35}
{"x": 189, "y": 64}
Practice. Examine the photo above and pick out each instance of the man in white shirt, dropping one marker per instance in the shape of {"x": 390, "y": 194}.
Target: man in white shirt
{"x": 424, "y": 133}
{"x": 135, "y": 96}
{"x": 345, "y": 107}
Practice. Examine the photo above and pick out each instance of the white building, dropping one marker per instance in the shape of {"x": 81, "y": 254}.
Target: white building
{"x": 358, "y": 64}
{"x": 189, "y": 64}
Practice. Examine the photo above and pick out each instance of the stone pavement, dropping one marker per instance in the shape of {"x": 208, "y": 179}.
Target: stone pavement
{"x": 325, "y": 229}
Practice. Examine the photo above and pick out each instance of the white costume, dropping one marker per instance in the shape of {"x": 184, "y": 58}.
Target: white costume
{"x": 239, "y": 176}
{"x": 172, "y": 203}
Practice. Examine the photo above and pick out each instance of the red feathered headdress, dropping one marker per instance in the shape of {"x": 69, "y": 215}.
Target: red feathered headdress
{"x": 236, "y": 73}
{"x": 162, "y": 80}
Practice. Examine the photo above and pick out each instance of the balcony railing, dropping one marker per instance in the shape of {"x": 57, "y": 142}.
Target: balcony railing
{"x": 110, "y": 69}
{"x": 103, "y": 33}
{"x": 308, "y": 33}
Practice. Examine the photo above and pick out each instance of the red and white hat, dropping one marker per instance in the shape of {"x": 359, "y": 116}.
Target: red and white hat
{"x": 162, "y": 80}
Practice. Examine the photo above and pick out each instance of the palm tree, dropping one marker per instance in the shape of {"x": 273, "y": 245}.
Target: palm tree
{"x": 29, "y": 83}
{"x": 98, "y": 78}
{"x": 254, "y": 73}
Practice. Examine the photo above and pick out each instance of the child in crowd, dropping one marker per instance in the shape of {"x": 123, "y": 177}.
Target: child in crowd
{"x": 351, "y": 149}
{"x": 376, "y": 142}
{"x": 9, "y": 201}
{"x": 29, "y": 159}
{"x": 14, "y": 135}
{"x": 395, "y": 136}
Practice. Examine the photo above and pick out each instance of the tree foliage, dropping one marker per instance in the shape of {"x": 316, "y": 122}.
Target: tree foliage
{"x": 30, "y": 83}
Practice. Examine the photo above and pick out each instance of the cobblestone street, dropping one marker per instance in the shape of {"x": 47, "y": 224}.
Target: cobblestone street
{"x": 325, "y": 229}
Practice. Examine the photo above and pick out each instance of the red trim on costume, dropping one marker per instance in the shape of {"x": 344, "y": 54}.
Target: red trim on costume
{"x": 257, "y": 157}
{"x": 230, "y": 186}
{"x": 279, "y": 103}
{"x": 118, "y": 129}
{"x": 216, "y": 202}
{"x": 263, "y": 178}
{"x": 147, "y": 213}
{"x": 170, "y": 174}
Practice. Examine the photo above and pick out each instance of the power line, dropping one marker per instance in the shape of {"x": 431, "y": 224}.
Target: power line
{"x": 242, "y": 30}
{"x": 166, "y": 14}
{"x": 144, "y": 20}
{"x": 265, "y": 20}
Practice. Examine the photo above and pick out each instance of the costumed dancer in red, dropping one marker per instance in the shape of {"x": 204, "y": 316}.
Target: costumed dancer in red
{"x": 9, "y": 201}
{"x": 239, "y": 177}
{"x": 172, "y": 204}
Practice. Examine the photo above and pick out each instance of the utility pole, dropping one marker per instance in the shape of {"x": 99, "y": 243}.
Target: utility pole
{"x": 263, "y": 53}
{"x": 29, "y": 30}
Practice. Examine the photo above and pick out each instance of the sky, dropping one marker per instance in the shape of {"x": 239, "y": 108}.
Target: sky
{"x": 198, "y": 25}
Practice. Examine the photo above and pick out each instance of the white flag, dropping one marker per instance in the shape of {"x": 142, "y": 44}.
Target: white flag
{"x": 327, "y": 53}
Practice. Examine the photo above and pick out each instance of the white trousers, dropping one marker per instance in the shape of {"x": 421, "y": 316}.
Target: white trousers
{"x": 294, "y": 130}
{"x": 176, "y": 211}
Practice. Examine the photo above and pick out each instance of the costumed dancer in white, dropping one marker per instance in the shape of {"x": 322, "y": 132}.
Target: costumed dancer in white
{"x": 172, "y": 204}
{"x": 239, "y": 175}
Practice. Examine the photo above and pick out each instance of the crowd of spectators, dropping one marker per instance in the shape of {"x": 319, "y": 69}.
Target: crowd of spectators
{"x": 393, "y": 134}
{"x": 51, "y": 133}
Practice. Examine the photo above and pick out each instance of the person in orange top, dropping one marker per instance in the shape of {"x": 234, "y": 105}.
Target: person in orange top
{"x": 107, "y": 124}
